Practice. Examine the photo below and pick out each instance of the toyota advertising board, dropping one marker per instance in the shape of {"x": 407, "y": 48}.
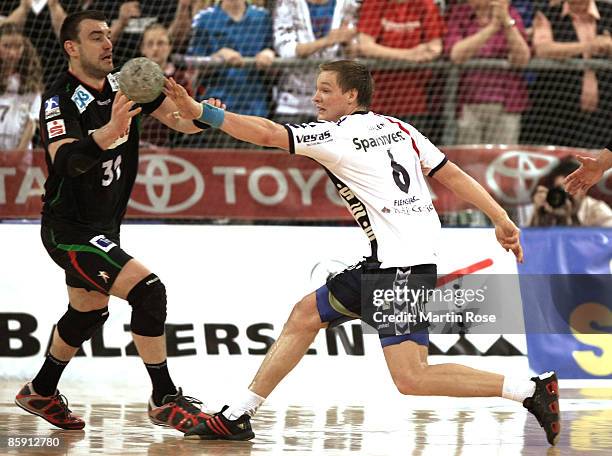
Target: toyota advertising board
{"x": 239, "y": 184}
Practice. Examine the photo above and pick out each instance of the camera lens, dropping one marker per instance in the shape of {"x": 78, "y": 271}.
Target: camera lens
{"x": 556, "y": 197}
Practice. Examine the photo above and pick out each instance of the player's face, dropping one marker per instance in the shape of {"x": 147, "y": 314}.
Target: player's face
{"x": 156, "y": 46}
{"x": 95, "y": 49}
{"x": 331, "y": 103}
{"x": 11, "y": 50}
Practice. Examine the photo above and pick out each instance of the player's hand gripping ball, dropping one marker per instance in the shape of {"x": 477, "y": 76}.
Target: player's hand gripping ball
{"x": 141, "y": 80}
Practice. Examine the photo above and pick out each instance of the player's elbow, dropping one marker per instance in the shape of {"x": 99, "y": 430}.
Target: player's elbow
{"x": 275, "y": 136}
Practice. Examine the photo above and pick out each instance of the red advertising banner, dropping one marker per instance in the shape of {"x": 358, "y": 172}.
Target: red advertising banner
{"x": 258, "y": 185}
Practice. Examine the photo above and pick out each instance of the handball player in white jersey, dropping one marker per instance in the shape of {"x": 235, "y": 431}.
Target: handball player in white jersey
{"x": 377, "y": 164}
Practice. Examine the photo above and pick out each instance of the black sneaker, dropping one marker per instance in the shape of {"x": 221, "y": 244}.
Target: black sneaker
{"x": 220, "y": 428}
{"x": 544, "y": 405}
{"x": 177, "y": 411}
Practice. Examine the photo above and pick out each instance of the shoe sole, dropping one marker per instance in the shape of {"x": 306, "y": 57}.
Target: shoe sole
{"x": 32, "y": 412}
{"x": 238, "y": 437}
{"x": 546, "y": 376}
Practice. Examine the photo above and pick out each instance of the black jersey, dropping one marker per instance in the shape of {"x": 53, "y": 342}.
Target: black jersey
{"x": 98, "y": 198}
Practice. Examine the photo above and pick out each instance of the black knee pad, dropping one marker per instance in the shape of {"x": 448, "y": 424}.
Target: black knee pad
{"x": 76, "y": 327}
{"x": 148, "y": 301}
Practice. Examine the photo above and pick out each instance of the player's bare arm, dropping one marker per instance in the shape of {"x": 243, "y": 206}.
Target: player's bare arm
{"x": 252, "y": 129}
{"x": 465, "y": 187}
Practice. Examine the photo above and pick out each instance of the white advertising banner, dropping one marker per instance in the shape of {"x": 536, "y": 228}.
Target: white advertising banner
{"x": 230, "y": 289}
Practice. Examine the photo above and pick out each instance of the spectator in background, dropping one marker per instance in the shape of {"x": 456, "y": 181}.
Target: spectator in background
{"x": 156, "y": 45}
{"x": 133, "y": 17}
{"x": 41, "y": 25}
{"x": 572, "y": 108}
{"x": 318, "y": 29}
{"x": 490, "y": 101}
{"x": 228, "y": 32}
{"x": 553, "y": 206}
{"x": 405, "y": 30}
{"x": 20, "y": 88}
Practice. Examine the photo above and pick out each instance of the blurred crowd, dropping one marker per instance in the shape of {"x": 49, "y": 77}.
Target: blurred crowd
{"x": 494, "y": 105}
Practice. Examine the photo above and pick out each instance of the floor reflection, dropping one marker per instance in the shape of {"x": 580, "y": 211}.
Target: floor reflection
{"x": 417, "y": 426}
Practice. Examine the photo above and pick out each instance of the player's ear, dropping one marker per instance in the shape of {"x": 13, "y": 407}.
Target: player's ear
{"x": 70, "y": 47}
{"x": 352, "y": 95}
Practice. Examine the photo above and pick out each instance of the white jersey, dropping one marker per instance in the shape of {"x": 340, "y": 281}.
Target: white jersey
{"x": 375, "y": 164}
{"x": 15, "y": 110}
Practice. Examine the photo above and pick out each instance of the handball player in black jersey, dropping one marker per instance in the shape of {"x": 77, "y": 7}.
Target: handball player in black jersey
{"x": 89, "y": 130}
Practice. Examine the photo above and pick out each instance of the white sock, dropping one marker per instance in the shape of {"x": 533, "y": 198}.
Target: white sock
{"x": 517, "y": 389}
{"x": 248, "y": 403}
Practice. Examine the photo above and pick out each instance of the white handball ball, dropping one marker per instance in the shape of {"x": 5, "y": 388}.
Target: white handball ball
{"x": 141, "y": 80}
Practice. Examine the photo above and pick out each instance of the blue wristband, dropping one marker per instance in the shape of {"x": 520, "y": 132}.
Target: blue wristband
{"x": 212, "y": 115}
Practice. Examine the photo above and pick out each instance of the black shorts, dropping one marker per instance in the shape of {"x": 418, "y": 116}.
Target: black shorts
{"x": 343, "y": 297}
{"x": 91, "y": 260}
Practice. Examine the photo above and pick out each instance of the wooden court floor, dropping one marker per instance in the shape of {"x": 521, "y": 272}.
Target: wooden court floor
{"x": 414, "y": 426}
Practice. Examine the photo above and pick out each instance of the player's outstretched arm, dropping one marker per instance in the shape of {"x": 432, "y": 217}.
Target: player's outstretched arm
{"x": 466, "y": 188}
{"x": 589, "y": 173}
{"x": 252, "y": 129}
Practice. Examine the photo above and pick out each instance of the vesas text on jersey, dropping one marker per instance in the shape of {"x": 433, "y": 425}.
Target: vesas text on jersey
{"x": 383, "y": 140}
{"x": 319, "y": 137}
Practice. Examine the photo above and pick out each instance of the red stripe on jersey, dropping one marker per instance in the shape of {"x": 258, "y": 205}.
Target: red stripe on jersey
{"x": 414, "y": 146}
{"x": 72, "y": 256}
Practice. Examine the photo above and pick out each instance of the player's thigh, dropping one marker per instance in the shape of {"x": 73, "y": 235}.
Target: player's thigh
{"x": 91, "y": 261}
{"x": 405, "y": 361}
{"x": 131, "y": 274}
{"x": 86, "y": 300}
{"x": 339, "y": 300}
{"x": 305, "y": 314}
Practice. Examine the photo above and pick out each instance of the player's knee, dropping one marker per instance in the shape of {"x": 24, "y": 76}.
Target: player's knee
{"x": 411, "y": 383}
{"x": 76, "y": 327}
{"x": 148, "y": 301}
{"x": 304, "y": 316}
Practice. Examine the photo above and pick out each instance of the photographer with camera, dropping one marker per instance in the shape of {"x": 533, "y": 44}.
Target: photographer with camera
{"x": 553, "y": 206}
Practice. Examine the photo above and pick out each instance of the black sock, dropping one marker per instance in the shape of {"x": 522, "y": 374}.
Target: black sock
{"x": 45, "y": 382}
{"x": 162, "y": 383}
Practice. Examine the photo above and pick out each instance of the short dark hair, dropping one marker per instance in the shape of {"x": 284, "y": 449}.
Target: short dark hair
{"x": 71, "y": 26}
{"x": 353, "y": 75}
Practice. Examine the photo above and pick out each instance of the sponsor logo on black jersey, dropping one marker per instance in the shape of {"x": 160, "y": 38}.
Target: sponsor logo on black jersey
{"x": 112, "y": 79}
{"x": 378, "y": 141}
{"x": 56, "y": 128}
{"x": 52, "y": 108}
{"x": 82, "y": 98}
{"x": 314, "y": 138}
{"x": 102, "y": 243}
